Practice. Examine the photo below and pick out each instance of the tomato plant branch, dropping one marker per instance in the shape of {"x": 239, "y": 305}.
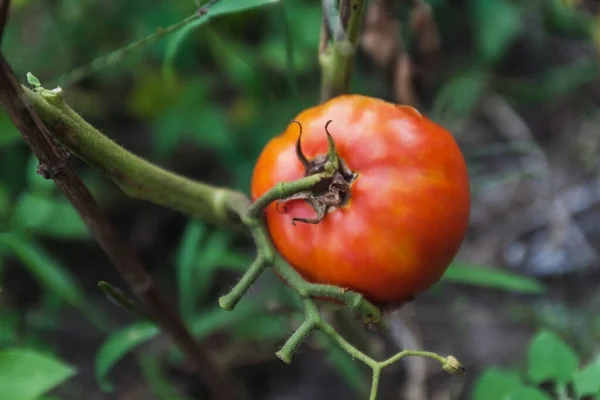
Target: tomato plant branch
{"x": 229, "y": 301}
{"x": 54, "y": 165}
{"x": 339, "y": 40}
{"x": 314, "y": 321}
{"x": 284, "y": 190}
{"x": 137, "y": 177}
{"x": 116, "y": 56}
{"x": 141, "y": 179}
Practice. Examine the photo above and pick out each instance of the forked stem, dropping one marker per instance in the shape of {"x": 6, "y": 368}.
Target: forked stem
{"x": 145, "y": 180}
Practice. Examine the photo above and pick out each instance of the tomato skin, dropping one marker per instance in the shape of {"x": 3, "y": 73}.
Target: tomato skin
{"x": 409, "y": 208}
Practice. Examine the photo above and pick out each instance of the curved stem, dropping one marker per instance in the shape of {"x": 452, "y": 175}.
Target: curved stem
{"x": 413, "y": 353}
{"x": 137, "y": 177}
{"x": 230, "y": 300}
{"x": 347, "y": 346}
{"x": 116, "y": 56}
{"x": 367, "y": 311}
{"x": 283, "y": 190}
{"x": 291, "y": 345}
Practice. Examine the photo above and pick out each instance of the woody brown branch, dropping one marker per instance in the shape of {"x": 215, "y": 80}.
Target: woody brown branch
{"x": 54, "y": 165}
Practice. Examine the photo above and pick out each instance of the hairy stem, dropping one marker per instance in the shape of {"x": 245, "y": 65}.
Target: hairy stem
{"x": 137, "y": 177}
{"x": 283, "y": 190}
{"x": 375, "y": 383}
{"x": 289, "y": 348}
{"x": 230, "y": 300}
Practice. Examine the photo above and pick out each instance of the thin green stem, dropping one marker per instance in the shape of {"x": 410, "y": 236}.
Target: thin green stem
{"x": 230, "y": 300}
{"x": 289, "y": 50}
{"x": 117, "y": 297}
{"x": 375, "y": 383}
{"x": 283, "y": 190}
{"x": 326, "y": 328}
{"x": 337, "y": 58}
{"x": 367, "y": 311}
{"x": 412, "y": 353}
{"x": 289, "y": 348}
{"x": 116, "y": 56}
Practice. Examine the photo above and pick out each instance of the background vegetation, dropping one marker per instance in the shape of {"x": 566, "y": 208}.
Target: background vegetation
{"x": 516, "y": 81}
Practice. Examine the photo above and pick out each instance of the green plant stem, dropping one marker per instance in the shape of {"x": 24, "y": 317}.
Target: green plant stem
{"x": 141, "y": 179}
{"x": 137, "y": 177}
{"x": 116, "y": 56}
{"x": 283, "y": 190}
{"x": 291, "y": 345}
{"x": 337, "y": 57}
{"x": 305, "y": 290}
{"x": 230, "y": 300}
{"x": 375, "y": 383}
{"x": 314, "y": 321}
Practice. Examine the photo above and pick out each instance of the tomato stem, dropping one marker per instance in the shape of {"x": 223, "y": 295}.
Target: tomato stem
{"x": 285, "y": 190}
{"x": 142, "y": 179}
{"x": 287, "y": 351}
{"x": 230, "y": 300}
{"x": 337, "y": 50}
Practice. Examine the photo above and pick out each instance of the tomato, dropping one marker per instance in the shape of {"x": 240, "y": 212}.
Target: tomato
{"x": 402, "y": 215}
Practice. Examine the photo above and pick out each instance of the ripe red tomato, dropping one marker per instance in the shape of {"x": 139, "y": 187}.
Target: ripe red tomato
{"x": 406, "y": 210}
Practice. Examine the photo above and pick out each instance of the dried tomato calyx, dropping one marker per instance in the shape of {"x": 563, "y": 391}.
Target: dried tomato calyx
{"x": 332, "y": 191}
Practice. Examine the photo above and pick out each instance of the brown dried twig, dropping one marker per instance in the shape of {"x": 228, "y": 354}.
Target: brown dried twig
{"x": 382, "y": 41}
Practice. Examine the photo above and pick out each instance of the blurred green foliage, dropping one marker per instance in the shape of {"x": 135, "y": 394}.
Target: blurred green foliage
{"x": 221, "y": 88}
{"x": 27, "y": 374}
{"x": 550, "y": 360}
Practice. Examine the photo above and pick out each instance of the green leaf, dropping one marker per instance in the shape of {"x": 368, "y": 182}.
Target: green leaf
{"x": 562, "y": 18}
{"x": 27, "y": 375}
{"x": 8, "y": 132}
{"x": 232, "y": 261}
{"x": 461, "y": 92}
{"x": 586, "y": 381}
{"x": 207, "y": 263}
{"x": 497, "y": 23}
{"x": 551, "y": 358}
{"x": 186, "y": 263}
{"x": 9, "y": 333}
{"x": 151, "y": 368}
{"x": 192, "y": 119}
{"x": 117, "y": 346}
{"x": 496, "y": 384}
{"x": 52, "y": 274}
{"x": 124, "y": 341}
{"x": 32, "y": 80}
{"x": 262, "y": 328}
{"x": 216, "y": 318}
{"x": 43, "y": 213}
{"x": 5, "y": 201}
{"x": 222, "y": 7}
{"x": 492, "y": 278}
{"x": 528, "y": 393}
{"x": 117, "y": 297}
